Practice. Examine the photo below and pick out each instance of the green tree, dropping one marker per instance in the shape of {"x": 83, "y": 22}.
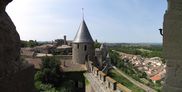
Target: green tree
{"x": 50, "y": 71}
{"x": 24, "y": 43}
{"x": 97, "y": 44}
{"x": 32, "y": 43}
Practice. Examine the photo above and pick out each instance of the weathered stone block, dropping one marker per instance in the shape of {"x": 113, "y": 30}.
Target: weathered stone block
{"x": 173, "y": 78}
{"x": 169, "y": 88}
{"x": 172, "y": 44}
{"x": 15, "y": 76}
{"x": 111, "y": 83}
{"x": 21, "y": 81}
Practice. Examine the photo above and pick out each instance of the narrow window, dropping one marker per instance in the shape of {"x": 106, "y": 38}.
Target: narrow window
{"x": 80, "y": 85}
{"x": 86, "y": 57}
{"x": 77, "y": 46}
{"x": 85, "y": 47}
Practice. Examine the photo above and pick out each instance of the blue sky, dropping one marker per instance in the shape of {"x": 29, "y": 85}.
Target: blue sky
{"x": 108, "y": 20}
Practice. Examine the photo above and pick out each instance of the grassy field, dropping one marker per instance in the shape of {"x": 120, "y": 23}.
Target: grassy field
{"x": 119, "y": 78}
{"x": 144, "y": 51}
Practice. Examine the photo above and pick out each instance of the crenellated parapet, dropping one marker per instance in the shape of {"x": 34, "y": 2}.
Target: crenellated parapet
{"x": 108, "y": 83}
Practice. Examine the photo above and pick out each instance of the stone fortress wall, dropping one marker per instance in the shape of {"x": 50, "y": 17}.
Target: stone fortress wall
{"x": 15, "y": 76}
{"x": 108, "y": 82}
{"x": 21, "y": 81}
{"x": 172, "y": 45}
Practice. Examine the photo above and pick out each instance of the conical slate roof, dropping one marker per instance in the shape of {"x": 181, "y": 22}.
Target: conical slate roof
{"x": 108, "y": 56}
{"x": 102, "y": 46}
{"x": 83, "y": 34}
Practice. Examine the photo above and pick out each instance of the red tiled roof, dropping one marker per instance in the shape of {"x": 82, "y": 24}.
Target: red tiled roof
{"x": 156, "y": 77}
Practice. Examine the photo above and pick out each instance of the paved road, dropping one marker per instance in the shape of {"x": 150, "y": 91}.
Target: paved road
{"x": 96, "y": 83}
{"x": 144, "y": 87}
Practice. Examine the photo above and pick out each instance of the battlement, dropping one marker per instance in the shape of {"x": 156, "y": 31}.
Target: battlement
{"x": 109, "y": 83}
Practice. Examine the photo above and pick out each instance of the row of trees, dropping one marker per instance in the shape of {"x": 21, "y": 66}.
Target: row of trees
{"x": 30, "y": 43}
{"x": 149, "y": 51}
{"x": 33, "y": 43}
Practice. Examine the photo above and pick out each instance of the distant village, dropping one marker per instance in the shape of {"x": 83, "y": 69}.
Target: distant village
{"x": 79, "y": 55}
{"x": 57, "y": 47}
{"x": 153, "y": 67}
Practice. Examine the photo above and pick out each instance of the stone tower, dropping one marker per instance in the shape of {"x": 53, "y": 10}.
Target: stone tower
{"x": 104, "y": 51}
{"x": 172, "y": 43}
{"x": 83, "y": 45}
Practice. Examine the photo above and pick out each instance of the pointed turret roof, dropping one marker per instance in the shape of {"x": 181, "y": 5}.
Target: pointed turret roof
{"x": 83, "y": 34}
{"x": 103, "y": 46}
{"x": 108, "y": 56}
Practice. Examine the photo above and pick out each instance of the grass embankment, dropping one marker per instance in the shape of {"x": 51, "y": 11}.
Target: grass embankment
{"x": 87, "y": 81}
{"x": 119, "y": 78}
{"x": 87, "y": 85}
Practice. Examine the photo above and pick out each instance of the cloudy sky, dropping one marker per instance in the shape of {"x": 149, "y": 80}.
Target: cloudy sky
{"x": 108, "y": 20}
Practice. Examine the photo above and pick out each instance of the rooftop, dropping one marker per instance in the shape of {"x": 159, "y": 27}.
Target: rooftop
{"x": 64, "y": 47}
{"x": 74, "y": 68}
{"x": 83, "y": 34}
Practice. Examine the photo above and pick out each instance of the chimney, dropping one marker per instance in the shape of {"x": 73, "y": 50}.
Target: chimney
{"x": 65, "y": 42}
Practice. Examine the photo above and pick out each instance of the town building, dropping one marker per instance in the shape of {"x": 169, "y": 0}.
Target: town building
{"x": 79, "y": 58}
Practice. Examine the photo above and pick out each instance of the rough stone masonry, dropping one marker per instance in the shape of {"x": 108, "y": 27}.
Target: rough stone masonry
{"x": 15, "y": 76}
{"x": 172, "y": 43}
{"x": 9, "y": 43}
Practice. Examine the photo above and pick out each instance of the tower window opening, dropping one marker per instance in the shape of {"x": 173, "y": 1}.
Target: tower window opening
{"x": 77, "y": 46}
{"x": 85, "y": 47}
{"x": 86, "y": 57}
